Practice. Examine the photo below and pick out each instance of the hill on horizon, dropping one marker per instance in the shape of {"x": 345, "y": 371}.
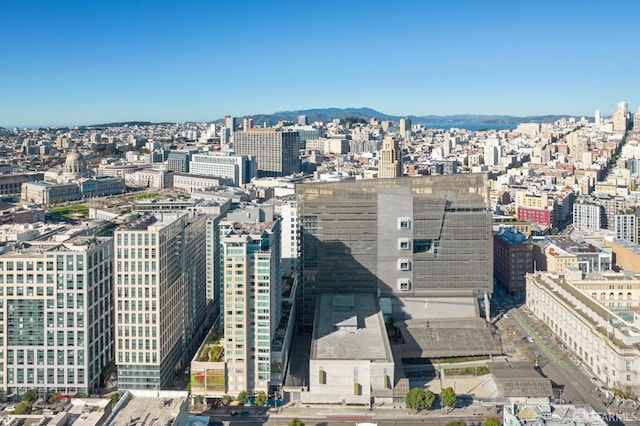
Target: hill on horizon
{"x": 327, "y": 114}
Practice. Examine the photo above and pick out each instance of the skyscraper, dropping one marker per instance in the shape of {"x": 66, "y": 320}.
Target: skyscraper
{"x": 252, "y": 304}
{"x": 302, "y": 120}
{"x": 405, "y": 128}
{"x": 406, "y": 240}
{"x": 160, "y": 282}
{"x": 276, "y": 151}
{"x": 230, "y": 123}
{"x": 390, "y": 165}
{"x": 597, "y": 118}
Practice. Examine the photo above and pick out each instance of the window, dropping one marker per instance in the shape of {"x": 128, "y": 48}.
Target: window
{"x": 404, "y": 265}
{"x": 404, "y": 284}
{"x": 404, "y": 244}
{"x": 404, "y": 223}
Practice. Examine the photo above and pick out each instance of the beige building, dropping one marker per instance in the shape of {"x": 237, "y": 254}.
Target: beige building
{"x": 596, "y": 319}
{"x": 351, "y": 360}
{"x": 625, "y": 254}
{"x": 390, "y": 165}
{"x": 552, "y": 258}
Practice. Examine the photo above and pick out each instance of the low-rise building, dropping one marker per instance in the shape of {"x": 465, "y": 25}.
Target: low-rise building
{"x": 351, "y": 360}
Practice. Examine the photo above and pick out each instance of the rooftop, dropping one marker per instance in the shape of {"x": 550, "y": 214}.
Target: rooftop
{"x": 441, "y": 338}
{"x": 519, "y": 379}
{"x": 349, "y": 326}
{"x": 142, "y": 408}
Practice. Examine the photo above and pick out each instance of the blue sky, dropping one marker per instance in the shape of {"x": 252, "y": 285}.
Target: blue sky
{"x": 81, "y": 62}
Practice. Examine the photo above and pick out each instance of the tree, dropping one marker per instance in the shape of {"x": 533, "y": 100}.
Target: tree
{"x": 242, "y": 398}
{"x": 198, "y": 400}
{"x": 23, "y": 408}
{"x": 226, "y": 400}
{"x": 413, "y": 398}
{"x": 53, "y": 397}
{"x": 295, "y": 422}
{"x": 31, "y": 395}
{"x": 261, "y": 399}
{"x": 448, "y": 397}
{"x": 456, "y": 422}
{"x": 429, "y": 398}
{"x": 114, "y": 397}
{"x": 419, "y": 399}
{"x": 492, "y": 421}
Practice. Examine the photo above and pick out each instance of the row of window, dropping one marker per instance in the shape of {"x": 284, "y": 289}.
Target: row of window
{"x": 37, "y": 357}
{"x": 135, "y": 238}
{"x": 53, "y": 376}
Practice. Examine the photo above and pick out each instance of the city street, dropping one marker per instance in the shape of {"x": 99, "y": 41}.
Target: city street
{"x": 572, "y": 384}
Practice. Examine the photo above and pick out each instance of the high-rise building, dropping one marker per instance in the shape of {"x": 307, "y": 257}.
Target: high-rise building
{"x": 247, "y": 123}
{"x": 404, "y": 239}
{"x": 620, "y": 117}
{"x": 160, "y": 283}
{"x": 56, "y": 313}
{"x": 230, "y": 123}
{"x": 276, "y": 151}
{"x": 252, "y": 304}
{"x": 303, "y": 120}
{"x": 405, "y": 128}
{"x": 239, "y": 168}
{"x": 390, "y": 164}
{"x": 636, "y": 121}
{"x": 597, "y": 118}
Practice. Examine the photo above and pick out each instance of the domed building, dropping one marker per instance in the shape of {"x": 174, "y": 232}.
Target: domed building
{"x": 75, "y": 167}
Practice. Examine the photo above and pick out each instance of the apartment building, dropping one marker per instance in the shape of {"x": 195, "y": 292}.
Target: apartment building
{"x": 252, "y": 304}
{"x": 56, "y": 314}
{"x": 160, "y": 303}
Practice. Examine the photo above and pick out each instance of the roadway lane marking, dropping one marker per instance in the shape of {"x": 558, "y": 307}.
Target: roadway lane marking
{"x": 538, "y": 339}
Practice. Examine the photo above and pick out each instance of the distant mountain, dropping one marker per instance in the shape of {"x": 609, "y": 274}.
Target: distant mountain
{"x": 328, "y": 114}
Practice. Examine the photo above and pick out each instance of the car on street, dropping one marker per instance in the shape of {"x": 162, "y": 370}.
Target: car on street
{"x": 10, "y": 409}
{"x": 505, "y": 316}
{"x": 530, "y": 339}
{"x": 245, "y": 413}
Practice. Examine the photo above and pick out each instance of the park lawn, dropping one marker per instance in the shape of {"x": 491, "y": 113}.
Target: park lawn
{"x": 69, "y": 211}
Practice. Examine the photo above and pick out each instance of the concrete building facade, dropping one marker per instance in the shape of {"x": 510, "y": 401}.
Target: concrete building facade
{"x": 405, "y": 239}
{"x": 160, "y": 309}
{"x": 57, "y": 316}
{"x": 605, "y": 341}
{"x": 276, "y": 151}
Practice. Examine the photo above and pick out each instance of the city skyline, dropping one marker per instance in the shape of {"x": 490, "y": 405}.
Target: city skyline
{"x": 76, "y": 63}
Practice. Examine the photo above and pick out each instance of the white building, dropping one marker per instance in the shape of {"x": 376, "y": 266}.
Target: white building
{"x": 289, "y": 238}
{"x": 351, "y": 360}
{"x": 587, "y": 217}
{"x": 626, "y": 227}
{"x": 240, "y": 169}
{"x": 160, "y": 278}
{"x": 595, "y": 318}
{"x": 57, "y": 315}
